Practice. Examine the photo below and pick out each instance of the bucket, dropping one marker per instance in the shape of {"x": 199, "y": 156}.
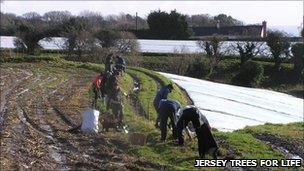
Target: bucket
{"x": 137, "y": 138}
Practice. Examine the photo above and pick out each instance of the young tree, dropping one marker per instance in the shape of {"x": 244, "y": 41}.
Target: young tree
{"x": 279, "y": 47}
{"x": 212, "y": 48}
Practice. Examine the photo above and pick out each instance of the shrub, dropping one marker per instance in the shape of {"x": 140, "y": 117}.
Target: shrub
{"x": 213, "y": 49}
{"x": 250, "y": 75}
{"x": 298, "y": 57}
{"x": 279, "y": 47}
{"x": 133, "y": 59}
{"x": 107, "y": 38}
{"x": 198, "y": 69}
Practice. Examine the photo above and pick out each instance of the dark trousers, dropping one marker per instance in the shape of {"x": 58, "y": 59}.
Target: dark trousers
{"x": 96, "y": 92}
{"x": 205, "y": 140}
{"x": 165, "y": 113}
{"x": 117, "y": 109}
{"x": 155, "y": 104}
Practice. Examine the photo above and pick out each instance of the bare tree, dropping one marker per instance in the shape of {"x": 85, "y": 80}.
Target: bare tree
{"x": 94, "y": 20}
{"x": 213, "y": 50}
{"x": 180, "y": 63}
{"x": 79, "y": 37}
{"x": 56, "y": 17}
{"x": 32, "y": 16}
{"x": 248, "y": 50}
{"x": 127, "y": 43}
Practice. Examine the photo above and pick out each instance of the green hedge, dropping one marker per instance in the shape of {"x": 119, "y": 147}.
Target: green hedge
{"x": 250, "y": 75}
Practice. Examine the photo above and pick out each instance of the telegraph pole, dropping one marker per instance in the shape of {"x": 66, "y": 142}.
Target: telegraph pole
{"x": 136, "y": 21}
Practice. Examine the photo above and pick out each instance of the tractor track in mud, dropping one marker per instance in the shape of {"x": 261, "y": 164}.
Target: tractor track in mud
{"x": 290, "y": 149}
{"x": 6, "y": 91}
{"x": 134, "y": 99}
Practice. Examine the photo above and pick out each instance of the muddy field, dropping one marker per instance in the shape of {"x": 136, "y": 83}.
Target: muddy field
{"x": 39, "y": 104}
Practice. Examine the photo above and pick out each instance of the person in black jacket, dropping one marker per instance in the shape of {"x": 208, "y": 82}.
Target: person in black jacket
{"x": 110, "y": 88}
{"x": 120, "y": 64}
{"x": 109, "y": 63}
{"x": 206, "y": 142}
{"x": 168, "y": 109}
{"x": 115, "y": 104}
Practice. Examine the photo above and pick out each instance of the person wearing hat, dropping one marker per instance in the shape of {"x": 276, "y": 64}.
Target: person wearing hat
{"x": 161, "y": 94}
{"x": 206, "y": 142}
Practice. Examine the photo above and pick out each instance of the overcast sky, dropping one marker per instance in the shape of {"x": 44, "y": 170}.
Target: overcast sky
{"x": 276, "y": 13}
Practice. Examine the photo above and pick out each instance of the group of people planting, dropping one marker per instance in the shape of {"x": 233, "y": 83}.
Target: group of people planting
{"x": 107, "y": 87}
{"x": 183, "y": 118}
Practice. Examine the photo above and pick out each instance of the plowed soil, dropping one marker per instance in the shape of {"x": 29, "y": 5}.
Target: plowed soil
{"x": 39, "y": 104}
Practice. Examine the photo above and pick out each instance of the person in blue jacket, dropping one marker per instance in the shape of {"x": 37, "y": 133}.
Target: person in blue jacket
{"x": 161, "y": 94}
{"x": 206, "y": 142}
{"x": 168, "y": 109}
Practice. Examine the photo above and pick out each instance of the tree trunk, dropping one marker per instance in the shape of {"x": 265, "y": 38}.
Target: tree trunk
{"x": 277, "y": 63}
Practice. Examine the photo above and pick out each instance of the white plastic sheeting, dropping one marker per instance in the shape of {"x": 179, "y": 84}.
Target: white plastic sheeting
{"x": 154, "y": 46}
{"x": 229, "y": 107}
{"x": 90, "y": 121}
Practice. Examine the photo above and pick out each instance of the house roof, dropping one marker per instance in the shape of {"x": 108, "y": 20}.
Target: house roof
{"x": 252, "y": 30}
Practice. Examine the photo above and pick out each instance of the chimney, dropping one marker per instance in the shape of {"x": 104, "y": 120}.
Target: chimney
{"x": 218, "y": 24}
{"x": 264, "y": 27}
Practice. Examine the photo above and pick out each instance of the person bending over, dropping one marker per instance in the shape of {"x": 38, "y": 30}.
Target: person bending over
{"x": 168, "y": 109}
{"x": 161, "y": 94}
{"x": 206, "y": 142}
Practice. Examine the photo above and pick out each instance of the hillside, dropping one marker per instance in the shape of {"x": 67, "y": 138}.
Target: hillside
{"x": 42, "y": 98}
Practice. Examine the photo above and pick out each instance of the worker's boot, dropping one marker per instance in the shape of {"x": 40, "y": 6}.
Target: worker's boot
{"x": 214, "y": 153}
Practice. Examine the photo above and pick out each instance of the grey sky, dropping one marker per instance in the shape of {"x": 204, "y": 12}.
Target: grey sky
{"x": 276, "y": 13}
